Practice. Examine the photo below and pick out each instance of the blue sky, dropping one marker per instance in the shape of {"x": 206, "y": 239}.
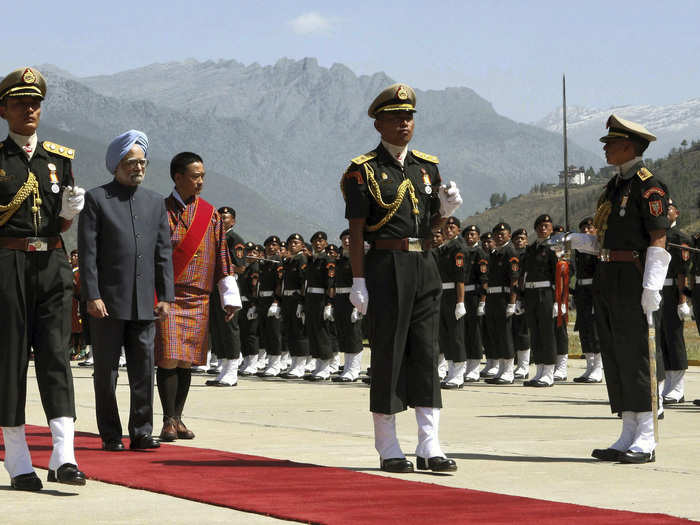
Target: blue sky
{"x": 512, "y": 53}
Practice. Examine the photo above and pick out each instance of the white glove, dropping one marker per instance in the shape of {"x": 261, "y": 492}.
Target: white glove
{"x": 684, "y": 311}
{"x": 481, "y": 309}
{"x": 72, "y": 202}
{"x": 651, "y": 300}
{"x": 655, "y": 270}
{"x": 460, "y": 311}
{"x": 328, "y": 313}
{"x": 450, "y": 199}
{"x": 251, "y": 314}
{"x": 355, "y": 316}
{"x": 274, "y": 311}
{"x": 519, "y": 308}
{"x": 359, "y": 297}
{"x": 366, "y": 246}
{"x": 300, "y": 310}
{"x": 510, "y": 310}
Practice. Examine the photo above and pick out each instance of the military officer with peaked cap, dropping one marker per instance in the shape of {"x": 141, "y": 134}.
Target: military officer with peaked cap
{"x": 38, "y": 201}
{"x": 631, "y": 222}
{"x": 393, "y": 197}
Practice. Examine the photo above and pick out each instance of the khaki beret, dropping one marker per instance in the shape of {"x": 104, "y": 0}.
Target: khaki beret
{"x": 397, "y": 97}
{"x": 619, "y": 128}
{"x": 23, "y": 82}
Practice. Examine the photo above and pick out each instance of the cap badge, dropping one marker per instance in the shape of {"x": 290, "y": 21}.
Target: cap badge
{"x": 402, "y": 94}
{"x": 28, "y": 77}
{"x": 384, "y": 176}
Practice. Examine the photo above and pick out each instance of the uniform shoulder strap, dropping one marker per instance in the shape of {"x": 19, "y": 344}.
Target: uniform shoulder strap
{"x": 644, "y": 173}
{"x": 57, "y": 149}
{"x": 364, "y": 158}
{"x": 430, "y": 158}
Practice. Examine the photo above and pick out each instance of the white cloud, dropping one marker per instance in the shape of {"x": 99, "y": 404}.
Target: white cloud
{"x": 311, "y": 23}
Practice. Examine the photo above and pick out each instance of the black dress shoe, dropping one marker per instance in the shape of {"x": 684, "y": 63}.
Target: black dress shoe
{"x": 590, "y": 380}
{"x": 696, "y": 402}
{"x": 498, "y": 381}
{"x": 660, "y": 416}
{"x": 671, "y": 401}
{"x": 67, "y": 473}
{"x": 143, "y": 442}
{"x": 30, "y": 482}
{"x": 243, "y": 373}
{"x": 485, "y": 374}
{"x": 580, "y": 379}
{"x": 538, "y": 383}
{"x": 471, "y": 380}
{"x": 113, "y": 445}
{"x": 343, "y": 379}
{"x": 638, "y": 457}
{"x": 211, "y": 382}
{"x": 559, "y": 378}
{"x": 287, "y": 375}
{"x": 607, "y": 454}
{"x": 396, "y": 465}
{"x": 367, "y": 380}
{"x": 520, "y": 376}
{"x": 450, "y": 386}
{"x": 436, "y": 464}
{"x": 224, "y": 384}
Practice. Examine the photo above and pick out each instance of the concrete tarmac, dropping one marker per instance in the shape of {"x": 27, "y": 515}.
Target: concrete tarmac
{"x": 507, "y": 439}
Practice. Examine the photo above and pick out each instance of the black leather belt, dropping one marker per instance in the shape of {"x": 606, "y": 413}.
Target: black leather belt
{"x": 31, "y": 244}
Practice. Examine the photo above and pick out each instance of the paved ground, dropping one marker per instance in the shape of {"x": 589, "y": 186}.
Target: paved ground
{"x": 513, "y": 440}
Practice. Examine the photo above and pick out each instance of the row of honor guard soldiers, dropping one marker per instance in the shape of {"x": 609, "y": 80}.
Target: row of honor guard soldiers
{"x": 296, "y": 317}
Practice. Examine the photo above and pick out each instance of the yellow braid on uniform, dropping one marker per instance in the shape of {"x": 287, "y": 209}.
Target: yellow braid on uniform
{"x": 600, "y": 220}
{"x": 376, "y": 192}
{"x": 30, "y": 187}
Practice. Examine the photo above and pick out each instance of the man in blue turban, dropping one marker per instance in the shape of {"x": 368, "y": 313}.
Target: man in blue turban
{"x": 124, "y": 243}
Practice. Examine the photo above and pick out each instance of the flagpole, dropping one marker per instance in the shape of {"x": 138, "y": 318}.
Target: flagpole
{"x": 566, "y": 156}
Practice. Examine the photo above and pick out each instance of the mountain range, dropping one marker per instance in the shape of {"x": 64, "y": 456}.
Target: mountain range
{"x": 671, "y": 124}
{"x": 276, "y": 139}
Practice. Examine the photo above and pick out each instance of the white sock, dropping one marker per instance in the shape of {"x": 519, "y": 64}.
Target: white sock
{"x": 597, "y": 368}
{"x": 428, "y": 419}
{"x": 455, "y": 376}
{"x": 507, "y": 369}
{"x": 385, "y": 440}
{"x": 18, "y": 461}
{"x": 629, "y": 428}
{"x": 473, "y": 368}
{"x": 62, "y": 435}
{"x": 547, "y": 374}
{"x": 644, "y": 436}
{"x": 560, "y": 370}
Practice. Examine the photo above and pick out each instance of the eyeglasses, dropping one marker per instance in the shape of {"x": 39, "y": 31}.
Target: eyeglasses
{"x": 132, "y": 164}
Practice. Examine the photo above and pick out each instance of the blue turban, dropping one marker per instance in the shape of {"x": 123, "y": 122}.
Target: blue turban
{"x": 121, "y": 146}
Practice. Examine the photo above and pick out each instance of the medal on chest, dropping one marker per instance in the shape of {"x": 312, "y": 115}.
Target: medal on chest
{"x": 426, "y": 180}
{"x": 623, "y": 205}
{"x": 53, "y": 178}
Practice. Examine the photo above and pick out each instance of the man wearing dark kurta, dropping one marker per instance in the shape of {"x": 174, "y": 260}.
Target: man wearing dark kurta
{"x": 201, "y": 262}
{"x": 124, "y": 247}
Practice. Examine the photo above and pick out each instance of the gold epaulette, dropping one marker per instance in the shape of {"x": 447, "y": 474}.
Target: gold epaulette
{"x": 364, "y": 158}
{"x": 425, "y": 156}
{"x": 644, "y": 173}
{"x": 63, "y": 151}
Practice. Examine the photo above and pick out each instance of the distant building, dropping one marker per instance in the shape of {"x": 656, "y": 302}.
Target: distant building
{"x": 577, "y": 176}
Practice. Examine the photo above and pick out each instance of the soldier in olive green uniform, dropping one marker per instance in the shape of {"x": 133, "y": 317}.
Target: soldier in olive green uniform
{"x": 521, "y": 333}
{"x": 631, "y": 222}
{"x": 348, "y": 320}
{"x": 674, "y": 310}
{"x": 585, "y": 265}
{"x": 504, "y": 272}
{"x": 393, "y": 198}
{"x": 226, "y": 336}
{"x": 248, "y": 320}
{"x": 38, "y": 201}
{"x": 476, "y": 281}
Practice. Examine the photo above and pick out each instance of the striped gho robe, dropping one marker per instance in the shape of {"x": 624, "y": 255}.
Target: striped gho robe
{"x": 184, "y": 334}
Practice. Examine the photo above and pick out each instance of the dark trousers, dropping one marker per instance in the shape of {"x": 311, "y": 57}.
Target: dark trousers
{"x": 472, "y": 328}
{"x": 317, "y": 330}
{"x": 349, "y": 334}
{"x": 696, "y": 303}
{"x": 499, "y": 327}
{"x": 293, "y": 327}
{"x": 225, "y": 336}
{"x": 539, "y": 303}
{"x": 521, "y": 334}
{"x": 404, "y": 314}
{"x": 623, "y": 332}
{"x": 137, "y": 338}
{"x": 585, "y": 321}
{"x": 451, "y": 330}
{"x": 36, "y": 294}
{"x": 562, "y": 337}
{"x": 250, "y": 341}
{"x": 669, "y": 332}
{"x": 270, "y": 328}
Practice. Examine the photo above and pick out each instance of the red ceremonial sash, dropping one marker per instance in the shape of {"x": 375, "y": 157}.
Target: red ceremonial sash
{"x": 561, "y": 291}
{"x": 183, "y": 252}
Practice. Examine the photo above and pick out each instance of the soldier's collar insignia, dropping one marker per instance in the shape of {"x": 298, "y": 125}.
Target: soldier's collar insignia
{"x": 28, "y": 77}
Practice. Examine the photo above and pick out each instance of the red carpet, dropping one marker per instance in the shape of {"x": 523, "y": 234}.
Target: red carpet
{"x": 311, "y": 493}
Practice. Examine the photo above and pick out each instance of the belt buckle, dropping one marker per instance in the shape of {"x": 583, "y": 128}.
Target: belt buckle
{"x": 36, "y": 244}
{"x": 414, "y": 245}
{"x": 605, "y": 255}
